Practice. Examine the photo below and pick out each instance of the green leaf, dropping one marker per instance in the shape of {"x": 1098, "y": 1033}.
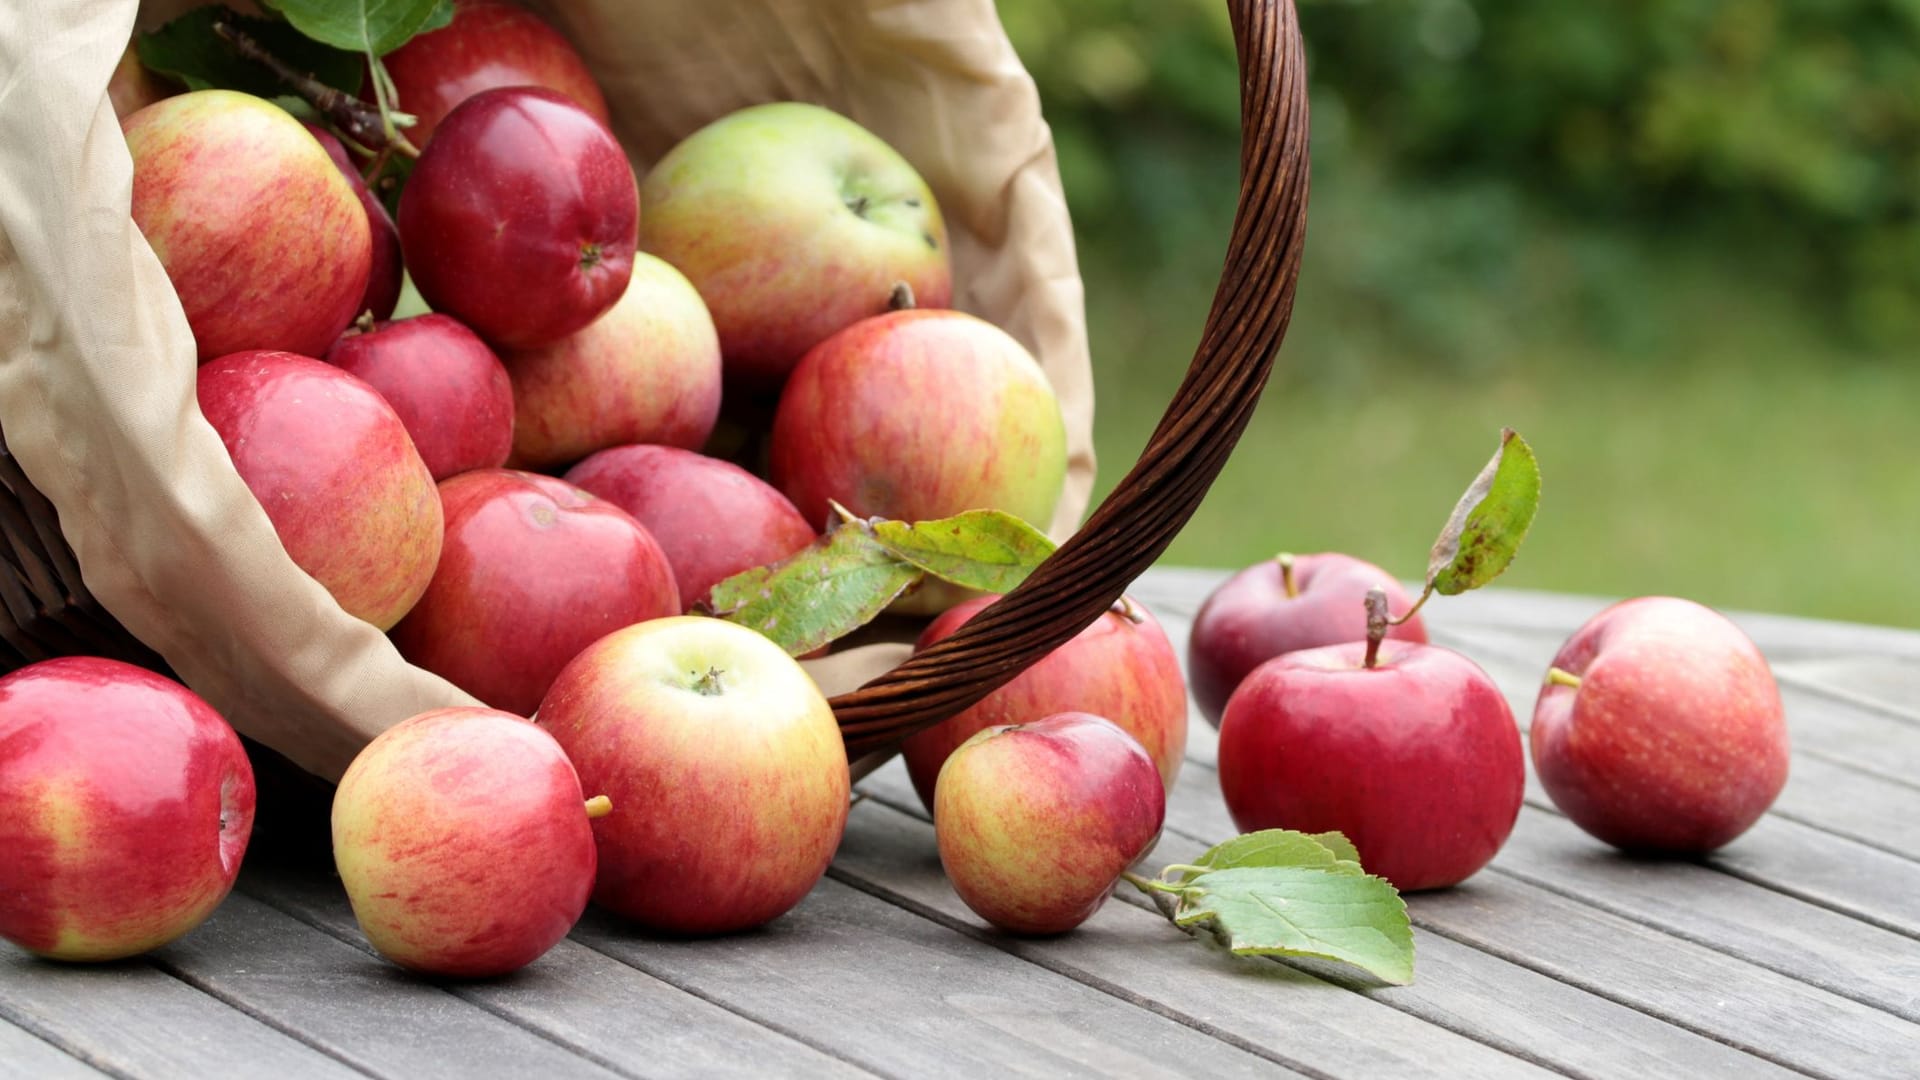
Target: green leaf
{"x": 373, "y": 27}
{"x": 187, "y": 50}
{"x": 1338, "y": 843}
{"x": 1354, "y": 919}
{"x": 988, "y": 550}
{"x": 1487, "y": 525}
{"x": 1279, "y": 847}
{"x": 821, "y": 593}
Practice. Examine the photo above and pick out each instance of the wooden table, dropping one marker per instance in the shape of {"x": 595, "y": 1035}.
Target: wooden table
{"x": 1794, "y": 950}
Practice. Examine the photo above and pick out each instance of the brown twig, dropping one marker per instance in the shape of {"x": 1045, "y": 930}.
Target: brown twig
{"x": 357, "y": 120}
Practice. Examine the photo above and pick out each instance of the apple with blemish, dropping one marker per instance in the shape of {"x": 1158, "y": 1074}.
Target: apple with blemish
{"x": 489, "y": 44}
{"x": 447, "y": 387}
{"x": 385, "y": 270}
{"x": 126, "y": 803}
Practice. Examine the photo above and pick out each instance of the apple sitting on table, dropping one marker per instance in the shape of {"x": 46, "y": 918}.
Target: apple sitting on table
{"x": 1037, "y": 821}
{"x": 333, "y": 467}
{"x": 725, "y": 766}
{"x": 520, "y": 217}
{"x": 383, "y": 278}
{"x": 712, "y": 518}
{"x": 1660, "y": 729}
{"x": 1285, "y": 604}
{"x": 126, "y": 803}
{"x": 917, "y": 415}
{"x": 462, "y": 838}
{"x": 262, "y": 238}
{"x": 534, "y": 571}
{"x": 794, "y": 223}
{"x": 449, "y": 389}
{"x": 1121, "y": 667}
{"x": 648, "y": 371}
{"x": 489, "y": 44}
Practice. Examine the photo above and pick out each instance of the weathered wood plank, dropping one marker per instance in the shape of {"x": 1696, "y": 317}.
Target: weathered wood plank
{"x": 586, "y": 1000}
{"x": 1870, "y": 681}
{"x": 132, "y": 1019}
{"x": 1836, "y": 873}
{"x": 26, "y": 1056}
{"x": 902, "y": 995}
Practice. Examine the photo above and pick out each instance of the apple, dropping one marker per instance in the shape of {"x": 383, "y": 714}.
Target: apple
{"x": 1037, "y": 821}
{"x": 449, "y": 389}
{"x": 648, "y": 371}
{"x": 132, "y": 87}
{"x": 331, "y": 463}
{"x": 1282, "y": 605}
{"x": 262, "y": 237}
{"x": 489, "y": 44}
{"x": 383, "y": 277}
{"x": 1413, "y": 754}
{"x": 1660, "y": 729}
{"x": 1122, "y": 667}
{"x": 534, "y": 571}
{"x": 724, "y": 764}
{"x": 917, "y": 415}
{"x": 794, "y": 223}
{"x": 713, "y": 518}
{"x": 520, "y": 217}
{"x": 462, "y": 838}
{"x": 125, "y": 807}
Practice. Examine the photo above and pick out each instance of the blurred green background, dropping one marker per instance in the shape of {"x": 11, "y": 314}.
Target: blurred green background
{"x": 1673, "y": 242}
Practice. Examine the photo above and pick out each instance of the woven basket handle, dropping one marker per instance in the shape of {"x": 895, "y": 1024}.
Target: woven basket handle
{"x": 1131, "y": 529}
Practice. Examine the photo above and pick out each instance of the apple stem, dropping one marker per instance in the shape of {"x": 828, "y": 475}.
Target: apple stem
{"x": 709, "y": 683}
{"x": 1559, "y": 677}
{"x": 1414, "y": 610}
{"x": 1377, "y": 623}
{"x": 901, "y": 298}
{"x": 599, "y": 806}
{"x": 1285, "y": 559}
{"x": 363, "y": 125}
{"x": 1128, "y": 610}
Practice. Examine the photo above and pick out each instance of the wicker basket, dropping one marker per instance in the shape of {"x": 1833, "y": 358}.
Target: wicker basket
{"x": 49, "y": 611}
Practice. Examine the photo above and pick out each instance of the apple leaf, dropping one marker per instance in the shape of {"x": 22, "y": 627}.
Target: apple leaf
{"x": 371, "y": 27}
{"x": 1487, "y": 525}
{"x": 187, "y": 51}
{"x": 1278, "y": 847}
{"x": 823, "y": 592}
{"x": 988, "y": 550}
{"x": 1355, "y": 919}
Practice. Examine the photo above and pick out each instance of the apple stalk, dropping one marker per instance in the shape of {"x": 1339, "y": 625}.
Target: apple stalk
{"x": 375, "y": 129}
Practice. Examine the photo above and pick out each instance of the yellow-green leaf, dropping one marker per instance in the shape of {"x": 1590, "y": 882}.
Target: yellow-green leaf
{"x": 1486, "y": 527}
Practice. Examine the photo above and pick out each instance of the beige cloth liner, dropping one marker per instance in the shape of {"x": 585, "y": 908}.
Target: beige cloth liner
{"x": 97, "y": 363}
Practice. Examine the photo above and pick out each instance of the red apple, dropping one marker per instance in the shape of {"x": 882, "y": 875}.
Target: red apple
{"x": 648, "y": 371}
{"x": 1660, "y": 728}
{"x": 1037, "y": 821}
{"x": 520, "y": 217}
{"x": 918, "y": 415}
{"x": 448, "y": 388}
{"x": 712, "y": 518}
{"x": 125, "y": 807}
{"x": 262, "y": 237}
{"x": 461, "y": 836}
{"x": 534, "y": 571}
{"x": 489, "y": 44}
{"x": 383, "y": 277}
{"x": 331, "y": 463}
{"x": 132, "y": 87}
{"x": 1279, "y": 606}
{"x": 794, "y": 223}
{"x": 1122, "y": 667}
{"x": 724, "y": 764}
{"x": 1416, "y": 759}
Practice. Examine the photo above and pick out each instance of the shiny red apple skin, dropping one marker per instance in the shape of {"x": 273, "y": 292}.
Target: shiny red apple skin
{"x": 383, "y": 275}
{"x": 648, "y": 371}
{"x": 1121, "y": 667}
{"x": 126, "y": 804}
{"x": 1037, "y": 821}
{"x": 1249, "y": 619}
{"x": 332, "y": 465}
{"x": 713, "y": 518}
{"x": 462, "y": 839}
{"x": 726, "y": 769}
{"x": 489, "y": 44}
{"x": 534, "y": 570}
{"x": 520, "y": 217}
{"x": 1675, "y": 741}
{"x": 918, "y": 415}
{"x": 1417, "y": 760}
{"x": 261, "y": 236}
{"x": 449, "y": 389}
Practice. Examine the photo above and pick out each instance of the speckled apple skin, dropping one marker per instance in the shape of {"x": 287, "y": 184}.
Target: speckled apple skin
{"x": 126, "y": 803}
{"x": 461, "y": 836}
{"x": 447, "y": 387}
{"x": 1675, "y": 741}
{"x": 1035, "y": 822}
